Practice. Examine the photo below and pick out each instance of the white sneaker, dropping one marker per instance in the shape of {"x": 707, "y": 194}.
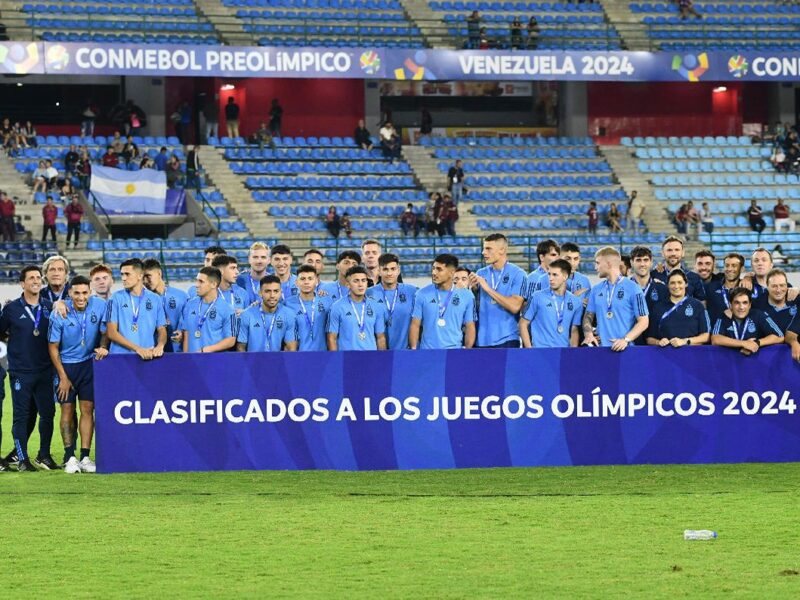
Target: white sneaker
{"x": 72, "y": 466}
{"x": 87, "y": 465}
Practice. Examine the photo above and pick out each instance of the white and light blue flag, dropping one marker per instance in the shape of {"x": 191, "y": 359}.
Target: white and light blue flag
{"x": 131, "y": 192}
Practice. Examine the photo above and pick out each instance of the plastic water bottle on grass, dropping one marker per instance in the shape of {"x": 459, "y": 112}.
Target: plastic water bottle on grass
{"x": 699, "y": 534}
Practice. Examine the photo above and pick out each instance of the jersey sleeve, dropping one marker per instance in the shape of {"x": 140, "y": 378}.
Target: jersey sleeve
{"x": 639, "y": 303}
{"x": 112, "y": 312}
{"x": 380, "y": 318}
{"x": 590, "y": 307}
{"x": 794, "y": 326}
{"x": 770, "y": 327}
{"x": 184, "y": 316}
{"x": 699, "y": 291}
{"x": 703, "y": 322}
{"x": 717, "y": 329}
{"x": 517, "y": 286}
{"x": 530, "y": 309}
{"x": 416, "y": 310}
{"x": 244, "y": 328}
{"x": 577, "y": 318}
{"x": 333, "y": 321}
{"x": 56, "y": 327}
{"x": 229, "y": 325}
{"x": 4, "y": 321}
{"x": 161, "y": 316}
{"x": 469, "y": 310}
{"x": 290, "y": 331}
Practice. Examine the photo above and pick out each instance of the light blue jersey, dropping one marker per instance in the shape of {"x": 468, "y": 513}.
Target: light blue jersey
{"x": 617, "y": 307}
{"x": 251, "y": 286}
{"x": 214, "y": 321}
{"x": 495, "y": 324}
{"x": 264, "y": 331}
{"x": 397, "y": 305}
{"x": 137, "y": 318}
{"x": 457, "y": 309}
{"x": 356, "y": 323}
{"x": 311, "y": 322}
{"x": 538, "y": 280}
{"x": 552, "y": 318}
{"x": 289, "y": 289}
{"x": 334, "y": 289}
{"x": 577, "y": 282}
{"x": 235, "y": 297}
{"x": 78, "y": 334}
{"x": 174, "y": 300}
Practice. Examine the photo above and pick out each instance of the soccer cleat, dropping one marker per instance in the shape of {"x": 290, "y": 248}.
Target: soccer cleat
{"x": 12, "y": 459}
{"x": 4, "y": 466}
{"x": 72, "y": 466}
{"x": 25, "y": 466}
{"x": 87, "y": 465}
{"x": 47, "y": 463}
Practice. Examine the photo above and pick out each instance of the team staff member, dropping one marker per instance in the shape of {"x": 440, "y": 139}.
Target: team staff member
{"x": 778, "y": 309}
{"x": 258, "y": 258}
{"x": 371, "y": 251}
{"x": 311, "y": 311}
{"x": 445, "y": 313}
{"x": 397, "y": 300}
{"x": 761, "y": 262}
{"x": 102, "y": 278}
{"x": 173, "y": 300}
{"x": 618, "y": 303}
{"x": 56, "y": 272}
{"x": 208, "y": 323}
{"x": 704, "y": 265}
{"x": 673, "y": 252}
{"x": 793, "y": 338}
{"x": 552, "y": 317}
{"x": 547, "y": 251}
{"x": 718, "y": 298}
{"x": 135, "y": 316}
{"x": 681, "y": 320}
{"x": 578, "y": 283}
{"x": 356, "y": 322}
{"x": 269, "y": 326}
{"x": 229, "y": 291}
{"x": 74, "y": 342}
{"x": 24, "y": 323}
{"x": 748, "y": 329}
{"x": 281, "y": 262}
{"x": 344, "y": 262}
{"x": 501, "y": 289}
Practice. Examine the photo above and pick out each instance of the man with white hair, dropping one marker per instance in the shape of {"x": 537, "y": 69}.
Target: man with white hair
{"x": 56, "y": 275}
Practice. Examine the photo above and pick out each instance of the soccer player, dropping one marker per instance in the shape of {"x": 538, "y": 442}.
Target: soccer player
{"x": 552, "y": 317}
{"x": 208, "y": 323}
{"x": 258, "y": 258}
{"x": 705, "y": 263}
{"x": 173, "y": 300}
{"x": 56, "y": 272}
{"x": 231, "y": 293}
{"x": 371, "y": 251}
{"x": 547, "y": 251}
{"x": 778, "y": 308}
{"x": 314, "y": 258}
{"x": 344, "y": 262}
{"x": 135, "y": 316}
{"x": 578, "y": 283}
{"x": 461, "y": 278}
{"x": 673, "y": 251}
{"x": 269, "y": 326}
{"x": 653, "y": 289}
{"x": 311, "y": 311}
{"x": 397, "y": 300}
{"x": 211, "y": 253}
{"x": 102, "y": 278}
{"x": 748, "y": 329}
{"x": 681, "y": 320}
{"x": 501, "y": 289}
{"x": 618, "y": 303}
{"x": 445, "y": 313}
{"x": 356, "y": 322}
{"x": 24, "y": 323}
{"x": 281, "y": 261}
{"x": 74, "y": 342}
{"x": 718, "y": 298}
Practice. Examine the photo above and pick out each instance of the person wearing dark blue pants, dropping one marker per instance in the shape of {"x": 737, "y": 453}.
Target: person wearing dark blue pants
{"x": 3, "y": 463}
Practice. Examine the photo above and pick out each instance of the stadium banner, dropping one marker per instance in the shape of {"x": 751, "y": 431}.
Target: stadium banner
{"x": 398, "y": 64}
{"x": 445, "y": 409}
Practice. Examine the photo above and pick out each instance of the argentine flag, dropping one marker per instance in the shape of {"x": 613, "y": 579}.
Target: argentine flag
{"x": 129, "y": 192}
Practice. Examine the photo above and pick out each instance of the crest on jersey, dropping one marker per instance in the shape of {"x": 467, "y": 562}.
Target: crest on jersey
{"x": 751, "y": 327}
{"x": 456, "y": 300}
{"x": 793, "y": 310}
{"x": 369, "y": 311}
{"x": 148, "y": 305}
{"x": 279, "y": 323}
{"x": 401, "y": 297}
{"x": 213, "y": 314}
{"x": 621, "y": 294}
{"x": 94, "y": 318}
{"x": 570, "y": 306}
{"x": 505, "y": 279}
{"x": 689, "y": 311}
{"x": 654, "y": 296}
{"x": 172, "y": 304}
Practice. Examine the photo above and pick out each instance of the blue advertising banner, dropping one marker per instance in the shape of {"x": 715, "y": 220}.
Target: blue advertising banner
{"x": 445, "y": 409}
{"x": 75, "y": 58}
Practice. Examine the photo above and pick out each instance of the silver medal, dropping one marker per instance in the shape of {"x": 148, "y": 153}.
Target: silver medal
{"x": 441, "y": 323}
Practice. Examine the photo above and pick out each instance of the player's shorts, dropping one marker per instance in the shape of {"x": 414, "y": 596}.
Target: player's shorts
{"x": 82, "y": 377}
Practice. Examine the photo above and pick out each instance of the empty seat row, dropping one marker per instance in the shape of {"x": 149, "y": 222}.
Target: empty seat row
{"x": 532, "y": 167}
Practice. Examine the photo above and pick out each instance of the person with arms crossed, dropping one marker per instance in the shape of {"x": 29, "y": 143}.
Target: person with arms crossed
{"x": 23, "y": 324}
{"x": 269, "y": 326}
{"x": 718, "y": 299}
{"x": 173, "y": 300}
{"x": 344, "y": 262}
{"x": 778, "y": 308}
{"x": 397, "y": 300}
{"x": 56, "y": 272}
{"x": 102, "y": 278}
{"x": 74, "y": 342}
{"x": 230, "y": 292}
{"x": 135, "y": 316}
{"x": 552, "y": 317}
{"x": 578, "y": 283}
{"x": 355, "y": 321}
{"x": 311, "y": 311}
{"x": 281, "y": 261}
{"x": 547, "y": 251}
{"x": 680, "y": 320}
{"x": 618, "y": 303}
{"x": 208, "y": 322}
{"x": 258, "y": 258}
{"x": 747, "y": 329}
{"x": 445, "y": 313}
{"x": 673, "y": 251}
{"x": 501, "y": 289}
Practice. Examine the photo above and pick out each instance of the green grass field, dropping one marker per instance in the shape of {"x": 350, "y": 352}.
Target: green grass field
{"x": 567, "y": 532}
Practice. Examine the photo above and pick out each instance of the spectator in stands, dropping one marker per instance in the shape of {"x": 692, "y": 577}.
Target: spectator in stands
{"x": 781, "y": 214}
{"x": 347, "y": 226}
{"x": 232, "y": 118}
{"x": 408, "y": 221}
{"x": 161, "y": 159}
{"x": 686, "y": 8}
{"x": 333, "y": 222}
{"x": 778, "y": 256}
{"x": 474, "y": 30}
{"x": 117, "y": 144}
{"x": 706, "y": 218}
{"x": 449, "y": 215}
{"x": 74, "y": 214}
{"x": 88, "y": 116}
{"x": 390, "y": 141}
{"x": 484, "y": 41}
{"x": 110, "y": 158}
{"x": 455, "y": 181}
{"x": 264, "y": 137}
{"x": 173, "y": 172}
{"x": 67, "y": 190}
{"x": 51, "y": 173}
{"x": 147, "y": 163}
{"x": 516, "y": 33}
{"x": 275, "y": 118}
{"x": 30, "y": 134}
{"x": 84, "y": 168}
{"x": 594, "y": 217}
{"x": 211, "y": 115}
{"x": 49, "y": 214}
{"x": 778, "y": 159}
{"x": 692, "y": 218}
{"x": 135, "y": 118}
{"x": 19, "y": 134}
{"x": 533, "y": 33}
{"x": 71, "y": 159}
{"x": 635, "y": 212}
{"x": 614, "y": 218}
{"x": 193, "y": 168}
{"x": 432, "y": 207}
{"x": 7, "y": 210}
{"x": 362, "y": 137}
{"x": 425, "y": 122}
{"x": 182, "y": 118}
{"x": 130, "y": 151}
{"x": 6, "y": 133}
{"x": 756, "y": 217}
{"x": 39, "y": 178}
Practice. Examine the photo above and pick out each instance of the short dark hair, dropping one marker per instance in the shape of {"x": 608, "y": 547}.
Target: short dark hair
{"x": 306, "y": 269}
{"x": 215, "y": 250}
{"x": 671, "y": 238}
{"x": 223, "y": 260}
{"x": 24, "y": 273}
{"x": 151, "y": 264}
{"x": 570, "y": 247}
{"x": 313, "y": 251}
{"x": 562, "y": 264}
{"x": 626, "y": 260}
{"x": 641, "y": 251}
{"x": 351, "y": 254}
{"x": 495, "y": 237}
{"x": 358, "y": 269}
{"x": 212, "y": 273}
{"x": 465, "y": 269}
{"x": 705, "y": 253}
{"x": 545, "y": 246}
{"x": 736, "y": 256}
{"x": 385, "y": 259}
{"x": 136, "y": 263}
{"x": 280, "y": 249}
{"x": 448, "y": 260}
{"x": 268, "y": 279}
{"x": 741, "y": 291}
{"x": 678, "y": 273}
{"x": 79, "y": 280}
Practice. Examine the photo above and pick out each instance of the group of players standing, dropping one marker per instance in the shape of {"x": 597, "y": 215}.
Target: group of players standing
{"x": 58, "y": 327}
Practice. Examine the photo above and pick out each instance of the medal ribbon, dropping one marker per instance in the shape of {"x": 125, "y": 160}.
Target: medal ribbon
{"x": 271, "y": 326}
{"x": 310, "y": 320}
{"x": 81, "y": 322}
{"x": 361, "y": 321}
{"x": 740, "y": 336}
{"x": 559, "y": 311}
{"x": 443, "y": 307}
{"x": 135, "y": 307}
{"x": 202, "y": 319}
{"x": 674, "y": 308}
{"x": 38, "y": 316}
{"x": 390, "y": 307}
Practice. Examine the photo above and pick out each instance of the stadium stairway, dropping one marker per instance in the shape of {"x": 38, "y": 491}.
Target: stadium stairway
{"x": 14, "y": 20}
{"x": 224, "y": 19}
{"x": 630, "y": 27}
{"x": 431, "y": 26}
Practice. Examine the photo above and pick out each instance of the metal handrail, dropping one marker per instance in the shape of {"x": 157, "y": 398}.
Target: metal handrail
{"x": 95, "y": 204}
